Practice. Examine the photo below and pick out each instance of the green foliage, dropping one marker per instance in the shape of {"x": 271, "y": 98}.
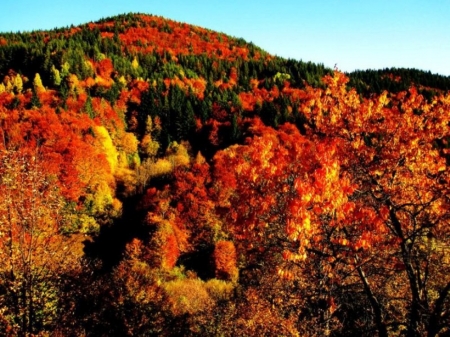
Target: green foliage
{"x": 35, "y": 101}
{"x": 395, "y": 80}
{"x": 89, "y": 108}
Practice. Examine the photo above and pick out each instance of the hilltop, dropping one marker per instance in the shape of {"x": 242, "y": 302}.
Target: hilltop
{"x": 221, "y": 76}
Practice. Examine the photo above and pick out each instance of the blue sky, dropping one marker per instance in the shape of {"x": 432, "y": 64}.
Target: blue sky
{"x": 354, "y": 34}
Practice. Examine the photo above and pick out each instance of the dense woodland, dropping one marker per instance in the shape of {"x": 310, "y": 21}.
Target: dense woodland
{"x": 162, "y": 179}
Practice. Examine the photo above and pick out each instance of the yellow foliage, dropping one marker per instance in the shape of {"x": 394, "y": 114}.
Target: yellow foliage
{"x": 37, "y": 83}
{"x": 117, "y": 207}
{"x": 2, "y": 88}
{"x": 18, "y": 84}
{"x": 129, "y": 143}
{"x": 178, "y": 154}
{"x": 8, "y": 86}
{"x": 122, "y": 159}
{"x": 181, "y": 160}
{"x": 73, "y": 82}
{"x": 199, "y": 159}
{"x": 187, "y": 296}
{"x": 55, "y": 76}
{"x": 143, "y": 174}
{"x": 102, "y": 197}
{"x": 219, "y": 290}
{"x": 161, "y": 167}
{"x": 100, "y": 56}
{"x": 149, "y": 146}
{"x": 149, "y": 125}
{"x": 135, "y": 63}
{"x": 89, "y": 65}
{"x": 65, "y": 69}
{"x": 127, "y": 178}
{"x": 100, "y": 81}
{"x": 88, "y": 225}
{"x": 122, "y": 81}
{"x": 108, "y": 147}
{"x": 134, "y": 160}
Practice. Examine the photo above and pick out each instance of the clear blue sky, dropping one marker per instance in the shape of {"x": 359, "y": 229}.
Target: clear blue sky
{"x": 356, "y": 34}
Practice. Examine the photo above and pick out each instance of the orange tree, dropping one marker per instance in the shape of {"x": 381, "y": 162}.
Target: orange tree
{"x": 272, "y": 192}
{"x": 362, "y": 198}
{"x": 393, "y": 234}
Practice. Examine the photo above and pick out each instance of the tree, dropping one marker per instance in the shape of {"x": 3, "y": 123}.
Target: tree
{"x": 55, "y": 76}
{"x": 266, "y": 183}
{"x": 37, "y": 84}
{"x": 264, "y": 189}
{"x": 34, "y": 256}
{"x": 399, "y": 220}
{"x": 357, "y": 208}
{"x": 391, "y": 239}
{"x": 18, "y": 84}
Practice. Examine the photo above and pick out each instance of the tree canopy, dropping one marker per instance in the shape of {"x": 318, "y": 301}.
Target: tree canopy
{"x": 162, "y": 179}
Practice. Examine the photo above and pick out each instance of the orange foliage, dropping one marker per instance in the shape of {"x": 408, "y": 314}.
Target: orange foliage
{"x": 137, "y": 87}
{"x": 266, "y": 164}
{"x": 182, "y": 39}
{"x": 225, "y": 260}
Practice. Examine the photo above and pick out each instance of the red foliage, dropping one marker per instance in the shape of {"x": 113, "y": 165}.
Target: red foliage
{"x": 104, "y": 68}
{"x": 155, "y": 33}
{"x": 68, "y": 149}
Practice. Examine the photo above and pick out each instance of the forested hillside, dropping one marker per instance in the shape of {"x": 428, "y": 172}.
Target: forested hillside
{"x": 162, "y": 179}
{"x": 395, "y": 80}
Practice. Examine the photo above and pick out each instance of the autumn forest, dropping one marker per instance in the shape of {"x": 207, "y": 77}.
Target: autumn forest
{"x": 162, "y": 179}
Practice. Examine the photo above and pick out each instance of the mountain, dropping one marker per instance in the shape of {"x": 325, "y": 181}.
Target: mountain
{"x": 163, "y": 179}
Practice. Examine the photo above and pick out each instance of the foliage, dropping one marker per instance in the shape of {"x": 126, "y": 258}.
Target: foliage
{"x": 162, "y": 179}
{"x": 35, "y": 255}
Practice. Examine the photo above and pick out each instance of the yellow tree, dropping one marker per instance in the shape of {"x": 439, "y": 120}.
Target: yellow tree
{"x": 18, "y": 83}
{"x": 34, "y": 256}
{"x": 37, "y": 83}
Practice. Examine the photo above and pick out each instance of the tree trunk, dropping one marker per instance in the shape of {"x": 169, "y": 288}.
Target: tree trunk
{"x": 376, "y": 307}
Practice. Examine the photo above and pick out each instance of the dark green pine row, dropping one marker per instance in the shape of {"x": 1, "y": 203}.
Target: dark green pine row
{"x": 394, "y": 80}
